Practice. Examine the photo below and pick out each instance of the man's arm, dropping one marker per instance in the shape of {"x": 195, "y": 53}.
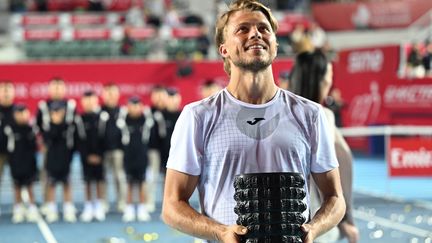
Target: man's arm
{"x": 177, "y": 212}
{"x": 332, "y": 208}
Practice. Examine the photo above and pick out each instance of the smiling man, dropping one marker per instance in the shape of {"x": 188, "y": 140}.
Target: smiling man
{"x": 251, "y": 126}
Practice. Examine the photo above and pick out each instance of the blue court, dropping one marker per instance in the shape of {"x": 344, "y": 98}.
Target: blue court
{"x": 386, "y": 210}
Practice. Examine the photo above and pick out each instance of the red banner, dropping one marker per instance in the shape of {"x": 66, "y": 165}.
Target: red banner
{"x": 39, "y": 19}
{"x": 372, "y": 14}
{"x": 88, "y": 19}
{"x": 373, "y": 93}
{"x": 92, "y": 34}
{"x": 141, "y": 32}
{"x": 186, "y": 32}
{"x": 133, "y": 77}
{"x": 410, "y": 156}
{"x": 42, "y": 34}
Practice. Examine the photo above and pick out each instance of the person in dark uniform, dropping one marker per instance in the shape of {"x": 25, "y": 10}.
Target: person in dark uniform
{"x": 135, "y": 138}
{"x": 90, "y": 148}
{"x": 111, "y": 135}
{"x": 59, "y": 141}
{"x": 7, "y": 96}
{"x": 56, "y": 93}
{"x": 158, "y": 98}
{"x": 171, "y": 114}
{"x": 21, "y": 147}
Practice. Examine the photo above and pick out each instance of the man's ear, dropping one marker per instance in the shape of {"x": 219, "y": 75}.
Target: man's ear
{"x": 223, "y": 51}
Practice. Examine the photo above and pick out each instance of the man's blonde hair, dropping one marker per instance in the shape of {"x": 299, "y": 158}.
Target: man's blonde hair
{"x": 239, "y": 5}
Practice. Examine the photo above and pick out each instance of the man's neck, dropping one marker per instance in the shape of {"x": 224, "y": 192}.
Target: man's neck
{"x": 253, "y": 88}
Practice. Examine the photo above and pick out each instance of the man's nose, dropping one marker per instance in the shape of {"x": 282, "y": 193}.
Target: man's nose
{"x": 254, "y": 33}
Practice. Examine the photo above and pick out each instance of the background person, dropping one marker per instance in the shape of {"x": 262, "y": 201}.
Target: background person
{"x": 312, "y": 78}
{"x": 7, "y": 96}
{"x": 112, "y": 146}
{"x": 91, "y": 152}
{"x": 21, "y": 147}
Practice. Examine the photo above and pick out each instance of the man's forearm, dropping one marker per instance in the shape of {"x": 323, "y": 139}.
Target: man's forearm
{"x": 181, "y": 216}
{"x": 329, "y": 215}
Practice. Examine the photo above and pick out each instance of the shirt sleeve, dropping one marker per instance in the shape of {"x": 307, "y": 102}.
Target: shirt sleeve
{"x": 323, "y": 152}
{"x": 185, "y": 152}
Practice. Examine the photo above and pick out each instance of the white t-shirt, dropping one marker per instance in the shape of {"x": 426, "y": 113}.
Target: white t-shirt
{"x": 220, "y": 137}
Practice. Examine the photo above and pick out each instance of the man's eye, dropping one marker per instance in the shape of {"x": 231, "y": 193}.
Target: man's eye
{"x": 264, "y": 29}
{"x": 242, "y": 29}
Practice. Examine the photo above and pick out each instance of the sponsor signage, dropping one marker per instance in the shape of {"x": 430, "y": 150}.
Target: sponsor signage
{"x": 369, "y": 15}
{"x": 410, "y": 156}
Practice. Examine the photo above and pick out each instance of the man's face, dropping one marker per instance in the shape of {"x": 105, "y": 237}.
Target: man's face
{"x": 22, "y": 117}
{"x": 158, "y": 98}
{"x": 111, "y": 95}
{"x": 250, "y": 42}
{"x": 57, "y": 116}
{"x": 89, "y": 103}
{"x": 135, "y": 110}
{"x": 7, "y": 94}
{"x": 57, "y": 90}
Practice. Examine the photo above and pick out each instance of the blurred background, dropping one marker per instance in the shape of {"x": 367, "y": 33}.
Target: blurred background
{"x": 382, "y": 92}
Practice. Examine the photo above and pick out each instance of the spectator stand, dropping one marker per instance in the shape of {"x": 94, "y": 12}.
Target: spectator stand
{"x": 78, "y": 35}
{"x": 183, "y": 42}
{"x": 287, "y": 23}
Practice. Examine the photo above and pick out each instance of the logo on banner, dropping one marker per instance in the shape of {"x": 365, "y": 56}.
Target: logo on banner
{"x": 408, "y": 95}
{"x": 410, "y": 157}
{"x": 365, "y": 61}
{"x": 361, "y": 17}
{"x": 365, "y": 108}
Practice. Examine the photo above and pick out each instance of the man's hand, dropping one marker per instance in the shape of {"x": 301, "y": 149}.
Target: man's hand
{"x": 308, "y": 236}
{"x": 350, "y": 231}
{"x": 231, "y": 234}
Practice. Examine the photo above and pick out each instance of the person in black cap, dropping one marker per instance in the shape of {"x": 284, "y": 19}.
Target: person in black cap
{"x": 90, "y": 147}
{"x": 158, "y": 97}
{"x": 56, "y": 93}
{"x": 135, "y": 139}
{"x": 7, "y": 95}
{"x": 58, "y": 137}
{"x": 111, "y": 135}
{"x": 171, "y": 114}
{"x": 21, "y": 147}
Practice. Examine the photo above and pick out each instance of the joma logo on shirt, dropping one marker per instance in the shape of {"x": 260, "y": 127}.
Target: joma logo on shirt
{"x": 255, "y": 120}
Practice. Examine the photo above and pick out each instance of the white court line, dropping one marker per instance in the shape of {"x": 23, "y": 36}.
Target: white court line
{"x": 392, "y": 224}
{"x": 42, "y": 225}
{"x": 417, "y": 203}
